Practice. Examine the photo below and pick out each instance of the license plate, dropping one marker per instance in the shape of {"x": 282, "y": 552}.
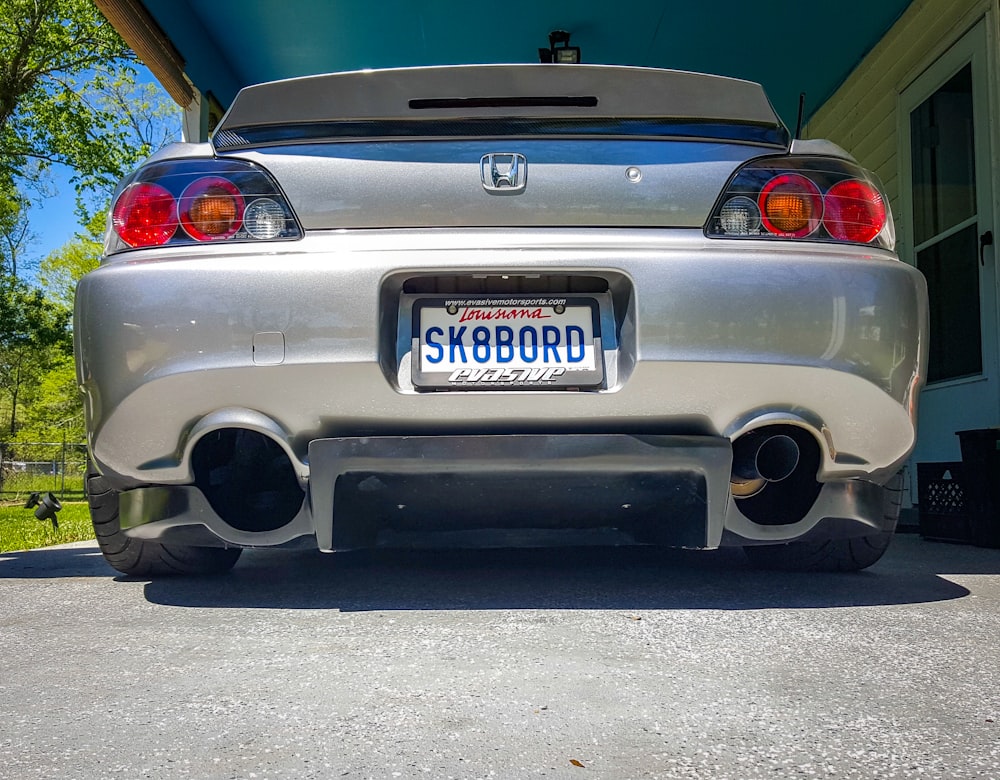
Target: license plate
{"x": 496, "y": 342}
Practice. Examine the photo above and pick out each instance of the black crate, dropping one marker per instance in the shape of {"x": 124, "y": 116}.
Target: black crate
{"x": 981, "y": 459}
{"x": 981, "y": 445}
{"x": 943, "y": 501}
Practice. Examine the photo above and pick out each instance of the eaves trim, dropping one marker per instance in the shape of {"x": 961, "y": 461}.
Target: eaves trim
{"x": 140, "y": 31}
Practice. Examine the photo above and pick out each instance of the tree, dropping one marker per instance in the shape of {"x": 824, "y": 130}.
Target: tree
{"x": 15, "y": 234}
{"x": 62, "y": 269}
{"x": 47, "y": 49}
{"x": 32, "y": 334}
{"x": 40, "y": 398}
{"x": 51, "y": 407}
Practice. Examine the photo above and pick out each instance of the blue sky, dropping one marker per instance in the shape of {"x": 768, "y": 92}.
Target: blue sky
{"x": 53, "y": 220}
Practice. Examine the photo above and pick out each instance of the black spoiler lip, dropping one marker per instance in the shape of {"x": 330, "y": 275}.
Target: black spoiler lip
{"x": 238, "y": 138}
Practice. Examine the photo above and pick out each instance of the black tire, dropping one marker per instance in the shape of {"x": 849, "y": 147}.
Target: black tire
{"x": 141, "y": 557}
{"x": 833, "y": 554}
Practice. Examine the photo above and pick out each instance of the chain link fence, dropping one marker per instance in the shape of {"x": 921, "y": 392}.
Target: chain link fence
{"x": 42, "y": 467}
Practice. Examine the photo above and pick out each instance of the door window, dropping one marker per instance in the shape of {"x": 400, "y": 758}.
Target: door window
{"x": 945, "y": 227}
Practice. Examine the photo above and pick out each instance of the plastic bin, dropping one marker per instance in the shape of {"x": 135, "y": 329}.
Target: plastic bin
{"x": 981, "y": 463}
{"x": 943, "y": 502}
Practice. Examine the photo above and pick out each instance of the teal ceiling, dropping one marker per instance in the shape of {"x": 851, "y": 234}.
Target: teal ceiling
{"x": 790, "y": 46}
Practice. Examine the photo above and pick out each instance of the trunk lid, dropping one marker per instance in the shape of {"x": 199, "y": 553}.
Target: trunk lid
{"x": 595, "y": 145}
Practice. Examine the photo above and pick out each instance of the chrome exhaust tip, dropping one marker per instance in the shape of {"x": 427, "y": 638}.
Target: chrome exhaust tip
{"x": 761, "y": 457}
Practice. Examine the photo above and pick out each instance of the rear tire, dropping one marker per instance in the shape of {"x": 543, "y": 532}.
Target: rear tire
{"x": 142, "y": 557}
{"x": 834, "y": 554}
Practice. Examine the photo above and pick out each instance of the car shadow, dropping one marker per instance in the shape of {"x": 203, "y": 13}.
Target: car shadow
{"x": 614, "y": 578}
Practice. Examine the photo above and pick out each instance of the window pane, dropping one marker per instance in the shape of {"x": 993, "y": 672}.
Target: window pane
{"x": 944, "y": 173}
{"x": 952, "y": 270}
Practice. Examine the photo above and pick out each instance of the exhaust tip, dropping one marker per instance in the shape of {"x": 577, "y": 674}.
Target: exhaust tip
{"x": 774, "y": 474}
{"x": 761, "y": 457}
{"x": 777, "y": 458}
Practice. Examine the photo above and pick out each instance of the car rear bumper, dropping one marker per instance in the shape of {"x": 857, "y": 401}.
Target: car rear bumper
{"x": 702, "y": 338}
{"x": 670, "y": 490}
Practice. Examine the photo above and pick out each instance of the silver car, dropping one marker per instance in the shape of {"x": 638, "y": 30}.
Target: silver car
{"x": 499, "y": 304}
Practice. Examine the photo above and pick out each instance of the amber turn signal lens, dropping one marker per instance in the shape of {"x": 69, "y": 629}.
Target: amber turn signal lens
{"x": 790, "y": 205}
{"x": 211, "y": 208}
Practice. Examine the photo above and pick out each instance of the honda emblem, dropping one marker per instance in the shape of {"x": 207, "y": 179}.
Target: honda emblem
{"x": 504, "y": 173}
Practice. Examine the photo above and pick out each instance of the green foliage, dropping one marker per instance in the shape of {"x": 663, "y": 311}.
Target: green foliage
{"x": 52, "y": 408}
{"x": 15, "y": 234}
{"x": 34, "y": 337}
{"x": 62, "y": 269}
{"x": 21, "y": 530}
{"x": 27, "y": 319}
{"x": 39, "y": 397}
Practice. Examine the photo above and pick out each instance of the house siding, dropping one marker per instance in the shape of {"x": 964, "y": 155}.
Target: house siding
{"x": 861, "y": 116}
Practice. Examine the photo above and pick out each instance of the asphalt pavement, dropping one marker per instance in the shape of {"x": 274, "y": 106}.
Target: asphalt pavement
{"x": 564, "y": 663}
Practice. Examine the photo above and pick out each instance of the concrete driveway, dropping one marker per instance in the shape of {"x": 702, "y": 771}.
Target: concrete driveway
{"x": 617, "y": 663}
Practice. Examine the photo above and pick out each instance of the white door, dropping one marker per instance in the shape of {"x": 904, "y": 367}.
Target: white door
{"x": 947, "y": 225}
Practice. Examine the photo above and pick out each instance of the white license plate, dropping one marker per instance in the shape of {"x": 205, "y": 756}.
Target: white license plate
{"x": 499, "y": 342}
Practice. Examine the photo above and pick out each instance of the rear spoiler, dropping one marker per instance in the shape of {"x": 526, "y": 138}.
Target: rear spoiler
{"x": 428, "y": 100}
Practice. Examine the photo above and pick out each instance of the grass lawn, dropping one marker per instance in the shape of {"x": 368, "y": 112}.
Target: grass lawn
{"x": 20, "y": 530}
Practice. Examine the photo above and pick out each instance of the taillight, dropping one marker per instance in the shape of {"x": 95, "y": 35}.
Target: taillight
{"x": 798, "y": 197}
{"x": 210, "y": 199}
{"x": 211, "y": 208}
{"x": 145, "y": 214}
{"x": 855, "y": 211}
{"x": 790, "y": 205}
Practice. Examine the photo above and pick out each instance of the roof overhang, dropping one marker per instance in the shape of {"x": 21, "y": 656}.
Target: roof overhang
{"x": 788, "y": 46}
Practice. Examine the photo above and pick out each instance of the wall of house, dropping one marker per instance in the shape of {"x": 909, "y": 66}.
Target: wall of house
{"x": 862, "y": 115}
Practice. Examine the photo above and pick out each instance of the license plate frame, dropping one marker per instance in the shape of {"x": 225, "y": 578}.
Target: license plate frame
{"x": 561, "y": 349}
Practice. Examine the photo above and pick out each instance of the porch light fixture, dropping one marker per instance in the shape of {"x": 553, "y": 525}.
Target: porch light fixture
{"x": 559, "y": 50}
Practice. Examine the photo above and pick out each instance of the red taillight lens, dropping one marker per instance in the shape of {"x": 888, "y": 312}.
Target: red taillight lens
{"x": 854, "y": 211}
{"x": 145, "y": 215}
{"x": 211, "y": 208}
{"x": 790, "y": 205}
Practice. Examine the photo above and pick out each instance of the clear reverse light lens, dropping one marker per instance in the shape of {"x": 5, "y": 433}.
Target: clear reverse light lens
{"x": 740, "y": 217}
{"x": 264, "y": 219}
